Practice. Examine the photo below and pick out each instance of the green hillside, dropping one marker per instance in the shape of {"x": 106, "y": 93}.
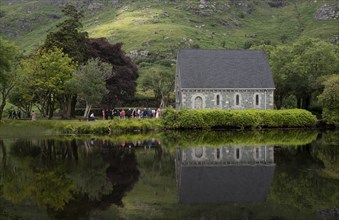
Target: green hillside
{"x": 155, "y": 30}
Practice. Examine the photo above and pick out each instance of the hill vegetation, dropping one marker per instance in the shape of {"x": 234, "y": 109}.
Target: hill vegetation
{"x": 153, "y": 31}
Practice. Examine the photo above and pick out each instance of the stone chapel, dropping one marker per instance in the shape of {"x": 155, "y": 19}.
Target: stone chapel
{"x": 223, "y": 79}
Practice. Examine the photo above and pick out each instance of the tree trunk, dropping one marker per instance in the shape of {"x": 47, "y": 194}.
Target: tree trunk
{"x": 51, "y": 107}
{"x": 2, "y": 107}
{"x": 4, "y": 153}
{"x": 306, "y": 102}
{"x": 73, "y": 104}
{"x": 3, "y": 102}
{"x": 299, "y": 102}
{"x": 278, "y": 101}
{"x": 87, "y": 110}
{"x": 67, "y": 103}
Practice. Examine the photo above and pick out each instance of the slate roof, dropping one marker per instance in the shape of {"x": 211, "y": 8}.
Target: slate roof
{"x": 219, "y": 68}
{"x": 223, "y": 184}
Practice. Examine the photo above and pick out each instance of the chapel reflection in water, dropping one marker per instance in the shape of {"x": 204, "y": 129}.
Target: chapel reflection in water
{"x": 224, "y": 174}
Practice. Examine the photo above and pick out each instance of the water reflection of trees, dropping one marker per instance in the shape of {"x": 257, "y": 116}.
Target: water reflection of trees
{"x": 69, "y": 178}
{"x": 306, "y": 177}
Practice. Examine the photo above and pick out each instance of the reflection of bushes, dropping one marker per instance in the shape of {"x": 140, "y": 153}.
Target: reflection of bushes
{"x": 190, "y": 119}
{"x": 67, "y": 178}
{"x": 297, "y": 182}
{"x": 220, "y": 138}
{"x": 328, "y": 153}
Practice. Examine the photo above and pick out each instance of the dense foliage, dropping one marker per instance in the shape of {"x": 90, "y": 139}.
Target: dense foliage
{"x": 109, "y": 127}
{"x": 160, "y": 80}
{"x": 330, "y": 99}
{"x": 9, "y": 54}
{"x": 298, "y": 68}
{"x": 45, "y": 75}
{"x": 121, "y": 84}
{"x": 89, "y": 82}
{"x": 193, "y": 119}
{"x": 69, "y": 36}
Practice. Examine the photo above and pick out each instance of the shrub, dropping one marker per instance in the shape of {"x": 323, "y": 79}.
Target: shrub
{"x": 184, "y": 119}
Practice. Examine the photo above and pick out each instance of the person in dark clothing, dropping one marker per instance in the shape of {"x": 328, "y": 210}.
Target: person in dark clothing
{"x": 144, "y": 113}
{"x": 129, "y": 113}
{"x": 149, "y": 113}
{"x": 117, "y": 113}
{"x": 107, "y": 114}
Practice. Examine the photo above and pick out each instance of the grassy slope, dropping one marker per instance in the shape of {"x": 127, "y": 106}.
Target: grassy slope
{"x": 162, "y": 27}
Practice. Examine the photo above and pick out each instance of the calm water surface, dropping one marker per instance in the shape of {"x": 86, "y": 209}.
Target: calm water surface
{"x": 174, "y": 175}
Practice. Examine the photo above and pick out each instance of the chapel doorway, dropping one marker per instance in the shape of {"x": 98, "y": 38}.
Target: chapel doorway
{"x": 198, "y": 102}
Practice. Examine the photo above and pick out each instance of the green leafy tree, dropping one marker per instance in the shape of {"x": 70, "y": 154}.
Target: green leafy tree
{"x": 73, "y": 41}
{"x": 69, "y": 36}
{"x": 161, "y": 81}
{"x": 330, "y": 99}
{"x": 297, "y": 68}
{"x": 46, "y": 73}
{"x": 9, "y": 55}
{"x": 22, "y": 96}
{"x": 89, "y": 82}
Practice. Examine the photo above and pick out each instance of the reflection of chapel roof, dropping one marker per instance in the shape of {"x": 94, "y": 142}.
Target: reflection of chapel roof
{"x": 219, "y": 68}
{"x": 228, "y": 183}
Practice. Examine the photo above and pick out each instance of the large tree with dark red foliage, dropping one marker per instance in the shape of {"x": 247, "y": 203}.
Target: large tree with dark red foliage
{"x": 122, "y": 82}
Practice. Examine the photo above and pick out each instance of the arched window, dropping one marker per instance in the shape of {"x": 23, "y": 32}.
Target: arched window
{"x": 237, "y": 99}
{"x": 198, "y": 102}
{"x": 237, "y": 153}
{"x": 218, "y": 153}
{"x": 257, "y": 99}
{"x": 256, "y": 153}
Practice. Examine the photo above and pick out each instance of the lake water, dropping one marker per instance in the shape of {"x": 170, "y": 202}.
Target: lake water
{"x": 291, "y": 174}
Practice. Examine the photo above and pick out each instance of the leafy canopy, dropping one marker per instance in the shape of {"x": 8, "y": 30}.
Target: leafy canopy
{"x": 69, "y": 37}
{"x": 89, "y": 80}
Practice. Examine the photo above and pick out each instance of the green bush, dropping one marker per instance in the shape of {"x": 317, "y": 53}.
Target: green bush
{"x": 192, "y": 119}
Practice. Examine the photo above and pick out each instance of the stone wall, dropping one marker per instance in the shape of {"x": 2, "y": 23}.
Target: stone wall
{"x": 225, "y": 99}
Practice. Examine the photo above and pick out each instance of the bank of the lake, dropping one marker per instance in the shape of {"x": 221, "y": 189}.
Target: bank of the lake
{"x": 169, "y": 120}
{"x": 240, "y": 119}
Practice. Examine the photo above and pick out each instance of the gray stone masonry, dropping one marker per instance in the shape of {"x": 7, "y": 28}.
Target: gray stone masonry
{"x": 247, "y": 99}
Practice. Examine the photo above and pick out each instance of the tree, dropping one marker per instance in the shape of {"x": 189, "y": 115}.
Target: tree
{"x": 330, "y": 99}
{"x": 72, "y": 41}
{"x": 161, "y": 81}
{"x": 22, "y": 96}
{"x": 314, "y": 58}
{"x": 297, "y": 68}
{"x": 121, "y": 84}
{"x": 89, "y": 82}
{"x": 69, "y": 37}
{"x": 9, "y": 55}
{"x": 46, "y": 74}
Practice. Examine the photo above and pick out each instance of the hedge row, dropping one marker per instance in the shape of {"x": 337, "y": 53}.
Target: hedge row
{"x": 200, "y": 119}
{"x": 110, "y": 126}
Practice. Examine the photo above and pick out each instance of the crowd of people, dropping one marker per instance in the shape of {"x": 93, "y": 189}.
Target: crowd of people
{"x": 128, "y": 113}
